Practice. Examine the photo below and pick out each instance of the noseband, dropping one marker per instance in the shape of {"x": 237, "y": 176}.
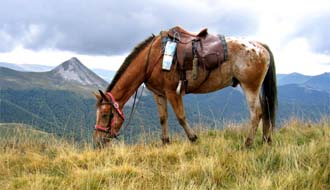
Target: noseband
{"x": 107, "y": 129}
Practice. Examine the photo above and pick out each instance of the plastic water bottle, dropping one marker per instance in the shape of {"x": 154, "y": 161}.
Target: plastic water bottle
{"x": 168, "y": 55}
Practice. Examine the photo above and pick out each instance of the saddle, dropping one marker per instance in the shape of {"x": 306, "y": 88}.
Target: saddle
{"x": 186, "y": 36}
{"x": 208, "y": 50}
{"x": 195, "y": 51}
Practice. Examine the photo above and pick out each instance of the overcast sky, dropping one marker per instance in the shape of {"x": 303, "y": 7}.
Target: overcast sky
{"x": 102, "y": 32}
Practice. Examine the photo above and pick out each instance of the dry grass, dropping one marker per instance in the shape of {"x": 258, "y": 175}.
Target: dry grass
{"x": 298, "y": 159}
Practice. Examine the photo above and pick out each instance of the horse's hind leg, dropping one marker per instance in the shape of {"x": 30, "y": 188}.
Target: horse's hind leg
{"x": 177, "y": 105}
{"x": 163, "y": 115}
{"x": 252, "y": 98}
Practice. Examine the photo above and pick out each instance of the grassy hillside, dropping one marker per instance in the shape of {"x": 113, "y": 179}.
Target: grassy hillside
{"x": 10, "y": 130}
{"x": 64, "y": 113}
{"x": 298, "y": 159}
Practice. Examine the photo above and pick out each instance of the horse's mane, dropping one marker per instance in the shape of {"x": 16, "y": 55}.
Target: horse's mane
{"x": 128, "y": 61}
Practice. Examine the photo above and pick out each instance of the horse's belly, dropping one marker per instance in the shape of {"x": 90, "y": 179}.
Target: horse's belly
{"x": 209, "y": 82}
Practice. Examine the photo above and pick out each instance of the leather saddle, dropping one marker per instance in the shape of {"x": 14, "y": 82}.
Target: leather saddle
{"x": 185, "y": 36}
{"x": 208, "y": 50}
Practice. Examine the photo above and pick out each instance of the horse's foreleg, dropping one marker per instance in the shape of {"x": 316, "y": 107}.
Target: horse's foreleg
{"x": 163, "y": 115}
{"x": 252, "y": 98}
{"x": 177, "y": 105}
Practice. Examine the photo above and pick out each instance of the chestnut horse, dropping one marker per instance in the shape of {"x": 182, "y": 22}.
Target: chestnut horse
{"x": 250, "y": 64}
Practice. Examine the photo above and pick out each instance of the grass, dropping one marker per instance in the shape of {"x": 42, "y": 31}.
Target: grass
{"x": 298, "y": 159}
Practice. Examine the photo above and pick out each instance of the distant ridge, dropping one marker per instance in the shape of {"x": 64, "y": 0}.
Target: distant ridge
{"x": 293, "y": 78}
{"x": 320, "y": 82}
{"x": 103, "y": 73}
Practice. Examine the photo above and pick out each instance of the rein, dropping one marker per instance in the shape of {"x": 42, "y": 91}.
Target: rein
{"x": 134, "y": 107}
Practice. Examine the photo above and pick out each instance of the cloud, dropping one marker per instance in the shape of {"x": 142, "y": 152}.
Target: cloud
{"x": 110, "y": 27}
{"x": 317, "y": 32}
{"x": 98, "y": 30}
{"x": 296, "y": 56}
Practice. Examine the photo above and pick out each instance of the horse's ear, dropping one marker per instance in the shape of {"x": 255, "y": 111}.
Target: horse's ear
{"x": 97, "y": 96}
{"x": 104, "y": 96}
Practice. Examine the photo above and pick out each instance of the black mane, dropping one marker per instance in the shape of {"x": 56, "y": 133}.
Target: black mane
{"x": 128, "y": 61}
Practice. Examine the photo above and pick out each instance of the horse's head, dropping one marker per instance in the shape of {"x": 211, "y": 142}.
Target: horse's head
{"x": 109, "y": 119}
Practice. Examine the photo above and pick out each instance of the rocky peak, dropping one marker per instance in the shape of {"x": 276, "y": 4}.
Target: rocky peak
{"x": 73, "y": 70}
{"x": 72, "y": 64}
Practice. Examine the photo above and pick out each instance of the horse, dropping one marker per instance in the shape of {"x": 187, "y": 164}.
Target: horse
{"x": 250, "y": 64}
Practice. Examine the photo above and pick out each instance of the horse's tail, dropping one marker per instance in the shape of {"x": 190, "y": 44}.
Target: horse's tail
{"x": 269, "y": 92}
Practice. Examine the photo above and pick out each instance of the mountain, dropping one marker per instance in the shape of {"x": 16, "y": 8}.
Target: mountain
{"x": 59, "y": 101}
{"x": 74, "y": 71}
{"x": 36, "y": 68}
{"x": 26, "y": 67}
{"x": 11, "y": 66}
{"x": 293, "y": 78}
{"x": 319, "y": 82}
{"x": 71, "y": 75}
{"x": 103, "y": 73}
{"x": 301, "y": 102}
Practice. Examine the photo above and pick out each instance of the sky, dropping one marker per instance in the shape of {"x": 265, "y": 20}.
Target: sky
{"x": 101, "y": 33}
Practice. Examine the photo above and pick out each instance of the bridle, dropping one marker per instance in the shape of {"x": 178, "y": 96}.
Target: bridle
{"x": 113, "y": 119}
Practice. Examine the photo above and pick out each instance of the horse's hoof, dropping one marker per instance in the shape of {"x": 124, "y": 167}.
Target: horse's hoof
{"x": 193, "y": 138}
{"x": 165, "y": 140}
{"x": 248, "y": 143}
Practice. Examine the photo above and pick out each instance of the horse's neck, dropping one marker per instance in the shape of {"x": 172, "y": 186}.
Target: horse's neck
{"x": 136, "y": 72}
{"x": 129, "y": 82}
